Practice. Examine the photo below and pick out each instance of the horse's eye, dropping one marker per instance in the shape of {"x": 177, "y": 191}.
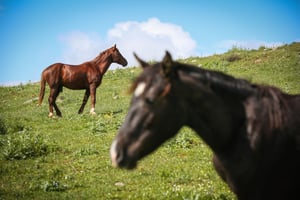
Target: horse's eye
{"x": 149, "y": 101}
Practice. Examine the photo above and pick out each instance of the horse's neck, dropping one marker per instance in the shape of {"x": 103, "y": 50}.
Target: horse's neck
{"x": 103, "y": 67}
{"x": 213, "y": 116}
{"x": 103, "y": 64}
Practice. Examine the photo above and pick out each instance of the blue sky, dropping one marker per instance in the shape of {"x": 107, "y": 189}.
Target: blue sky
{"x": 37, "y": 33}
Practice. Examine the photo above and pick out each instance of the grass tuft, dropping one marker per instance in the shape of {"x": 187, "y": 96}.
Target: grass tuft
{"x": 3, "y": 128}
{"x": 25, "y": 145}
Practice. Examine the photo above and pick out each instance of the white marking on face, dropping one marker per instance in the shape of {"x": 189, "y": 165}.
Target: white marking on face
{"x": 113, "y": 153}
{"x": 139, "y": 89}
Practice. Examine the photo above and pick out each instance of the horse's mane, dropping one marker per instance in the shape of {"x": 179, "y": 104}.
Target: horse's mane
{"x": 266, "y": 107}
{"x": 218, "y": 80}
{"x": 100, "y": 57}
{"x": 266, "y": 111}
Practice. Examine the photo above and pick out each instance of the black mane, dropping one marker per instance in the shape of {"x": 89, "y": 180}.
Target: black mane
{"x": 218, "y": 80}
{"x": 264, "y": 103}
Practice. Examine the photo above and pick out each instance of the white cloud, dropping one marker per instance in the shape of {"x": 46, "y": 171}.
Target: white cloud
{"x": 149, "y": 39}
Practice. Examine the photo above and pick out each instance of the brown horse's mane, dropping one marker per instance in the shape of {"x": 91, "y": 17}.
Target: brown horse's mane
{"x": 98, "y": 59}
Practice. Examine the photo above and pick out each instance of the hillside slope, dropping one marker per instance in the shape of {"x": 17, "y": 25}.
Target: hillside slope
{"x": 68, "y": 157}
{"x": 273, "y": 66}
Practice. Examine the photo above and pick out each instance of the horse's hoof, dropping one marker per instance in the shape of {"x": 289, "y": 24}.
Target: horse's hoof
{"x": 92, "y": 111}
{"x": 51, "y": 115}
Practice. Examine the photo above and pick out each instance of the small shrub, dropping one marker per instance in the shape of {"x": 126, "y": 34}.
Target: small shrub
{"x": 97, "y": 127}
{"x": 53, "y": 186}
{"x": 20, "y": 146}
{"x": 3, "y": 128}
{"x": 105, "y": 123}
{"x": 262, "y": 48}
{"x": 233, "y": 57}
{"x": 56, "y": 181}
{"x": 91, "y": 150}
{"x": 16, "y": 125}
{"x": 183, "y": 141}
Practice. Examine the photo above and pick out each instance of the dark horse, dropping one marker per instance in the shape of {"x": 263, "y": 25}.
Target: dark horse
{"x": 253, "y": 130}
{"x": 86, "y": 76}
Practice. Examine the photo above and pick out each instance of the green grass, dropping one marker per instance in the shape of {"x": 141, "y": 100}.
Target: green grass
{"x": 68, "y": 157}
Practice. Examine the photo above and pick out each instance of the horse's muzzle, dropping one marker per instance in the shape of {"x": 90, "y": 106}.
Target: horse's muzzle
{"x": 125, "y": 63}
{"x": 119, "y": 158}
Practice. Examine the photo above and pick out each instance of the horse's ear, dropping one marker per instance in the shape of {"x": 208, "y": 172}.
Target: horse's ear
{"x": 115, "y": 46}
{"x": 142, "y": 63}
{"x": 168, "y": 64}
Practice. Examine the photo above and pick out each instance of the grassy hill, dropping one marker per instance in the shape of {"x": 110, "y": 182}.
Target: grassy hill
{"x": 68, "y": 157}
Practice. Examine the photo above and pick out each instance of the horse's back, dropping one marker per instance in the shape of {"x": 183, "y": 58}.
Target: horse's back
{"x": 54, "y": 68}
{"x": 52, "y": 74}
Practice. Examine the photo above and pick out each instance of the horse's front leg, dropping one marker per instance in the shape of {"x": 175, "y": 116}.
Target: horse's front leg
{"x": 54, "y": 92}
{"x": 93, "y": 99}
{"x": 50, "y": 101}
{"x": 85, "y": 99}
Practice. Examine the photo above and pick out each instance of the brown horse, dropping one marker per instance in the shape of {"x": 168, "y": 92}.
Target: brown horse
{"x": 253, "y": 130}
{"x": 86, "y": 76}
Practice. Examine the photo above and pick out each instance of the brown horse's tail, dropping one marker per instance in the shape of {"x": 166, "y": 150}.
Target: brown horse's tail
{"x": 42, "y": 90}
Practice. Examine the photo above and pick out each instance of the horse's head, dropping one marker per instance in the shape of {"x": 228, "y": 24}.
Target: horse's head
{"x": 152, "y": 117}
{"x": 117, "y": 56}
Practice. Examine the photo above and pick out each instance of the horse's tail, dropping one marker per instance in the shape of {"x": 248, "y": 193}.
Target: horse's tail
{"x": 42, "y": 90}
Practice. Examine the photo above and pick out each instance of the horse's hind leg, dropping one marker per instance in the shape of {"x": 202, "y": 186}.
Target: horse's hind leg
{"x": 85, "y": 99}
{"x": 57, "y": 110}
{"x": 93, "y": 99}
{"x": 54, "y": 92}
{"x": 50, "y": 101}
